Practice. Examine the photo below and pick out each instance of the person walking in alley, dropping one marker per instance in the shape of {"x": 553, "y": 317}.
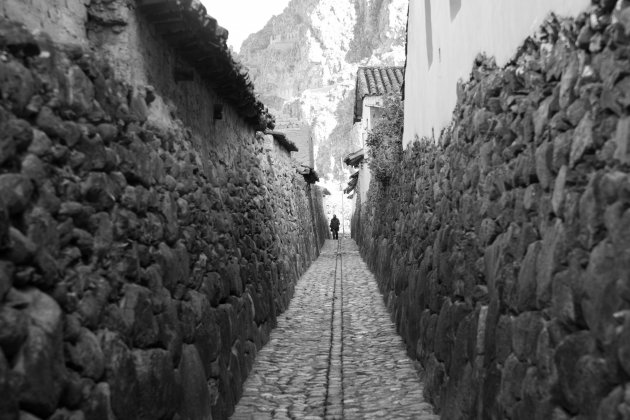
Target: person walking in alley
{"x": 334, "y": 227}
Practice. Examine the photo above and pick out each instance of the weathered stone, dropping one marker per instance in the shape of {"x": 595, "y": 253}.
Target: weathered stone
{"x": 207, "y": 337}
{"x": 541, "y": 116}
{"x": 79, "y": 94}
{"x": 9, "y": 406}
{"x": 108, "y": 132}
{"x": 582, "y": 139}
{"x": 103, "y": 233}
{"x": 601, "y": 299}
{"x": 567, "y": 357}
{"x": 41, "y": 144}
{"x": 70, "y": 133}
{"x": 135, "y": 168}
{"x": 40, "y": 359}
{"x": 120, "y": 374}
{"x": 49, "y": 123}
{"x": 569, "y": 79}
{"x": 19, "y": 133}
{"x": 576, "y": 111}
{"x": 18, "y": 39}
{"x": 98, "y": 404}
{"x": 590, "y": 209}
{"x": 557, "y": 199}
{"x": 612, "y": 185}
{"x": 196, "y": 398}
{"x": 99, "y": 190}
{"x": 5, "y": 225}
{"x": 22, "y": 248}
{"x": 95, "y": 154}
{"x": 623, "y": 353}
{"x": 544, "y": 157}
{"x": 86, "y": 355}
{"x": 7, "y": 144}
{"x": 43, "y": 229}
{"x": 13, "y": 329}
{"x": 488, "y": 231}
{"x": 18, "y": 85}
{"x": 94, "y": 299}
{"x": 548, "y": 261}
{"x": 622, "y": 138}
{"x": 527, "y": 278}
{"x": 138, "y": 315}
{"x": 512, "y": 378}
{"x": 7, "y": 268}
{"x": 159, "y": 395}
{"x": 170, "y": 336}
{"x": 611, "y": 406}
{"x": 531, "y": 198}
{"x": 233, "y": 275}
{"x": 34, "y": 169}
{"x": 16, "y": 191}
{"x": 525, "y": 330}
{"x": 137, "y": 105}
{"x": 168, "y": 209}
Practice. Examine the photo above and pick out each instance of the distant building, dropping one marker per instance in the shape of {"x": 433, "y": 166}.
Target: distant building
{"x": 299, "y": 132}
{"x": 372, "y": 85}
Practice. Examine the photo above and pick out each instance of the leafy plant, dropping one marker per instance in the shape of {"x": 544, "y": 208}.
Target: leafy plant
{"x": 384, "y": 141}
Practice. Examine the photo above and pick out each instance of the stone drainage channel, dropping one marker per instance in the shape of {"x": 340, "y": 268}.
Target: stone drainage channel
{"x": 333, "y": 407}
{"x": 335, "y": 353}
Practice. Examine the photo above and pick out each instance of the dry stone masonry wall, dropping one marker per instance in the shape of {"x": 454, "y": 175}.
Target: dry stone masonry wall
{"x": 503, "y": 252}
{"x": 143, "y": 261}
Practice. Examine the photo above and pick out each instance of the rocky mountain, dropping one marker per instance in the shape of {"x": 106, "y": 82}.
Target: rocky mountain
{"x": 304, "y": 63}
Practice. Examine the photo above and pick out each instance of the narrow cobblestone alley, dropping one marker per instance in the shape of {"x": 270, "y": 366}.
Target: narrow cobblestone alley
{"x": 316, "y": 366}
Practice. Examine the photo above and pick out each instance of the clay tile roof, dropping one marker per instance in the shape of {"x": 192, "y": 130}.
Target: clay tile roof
{"x": 196, "y": 36}
{"x": 376, "y": 81}
{"x": 354, "y": 158}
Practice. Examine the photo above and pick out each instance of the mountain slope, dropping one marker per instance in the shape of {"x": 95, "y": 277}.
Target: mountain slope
{"x": 304, "y": 63}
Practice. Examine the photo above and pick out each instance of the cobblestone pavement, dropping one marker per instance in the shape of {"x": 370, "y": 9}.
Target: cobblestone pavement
{"x": 335, "y": 353}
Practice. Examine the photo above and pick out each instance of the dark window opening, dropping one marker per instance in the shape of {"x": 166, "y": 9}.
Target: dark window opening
{"x": 456, "y": 5}
{"x": 217, "y": 112}
{"x": 429, "y": 28}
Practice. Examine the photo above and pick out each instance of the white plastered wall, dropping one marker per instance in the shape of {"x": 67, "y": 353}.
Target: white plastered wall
{"x": 367, "y": 121}
{"x": 442, "y": 45}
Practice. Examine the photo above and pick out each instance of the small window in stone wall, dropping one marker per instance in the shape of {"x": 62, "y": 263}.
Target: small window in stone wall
{"x": 217, "y": 112}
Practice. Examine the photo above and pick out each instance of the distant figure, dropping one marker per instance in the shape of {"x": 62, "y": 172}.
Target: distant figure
{"x": 334, "y": 227}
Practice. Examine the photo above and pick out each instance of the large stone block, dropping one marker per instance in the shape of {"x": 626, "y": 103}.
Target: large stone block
{"x": 138, "y": 317}
{"x": 120, "y": 374}
{"x": 159, "y": 394}
{"x": 16, "y": 191}
{"x": 40, "y": 362}
{"x": 525, "y": 330}
{"x": 14, "y": 326}
{"x": 196, "y": 403}
{"x": 527, "y": 278}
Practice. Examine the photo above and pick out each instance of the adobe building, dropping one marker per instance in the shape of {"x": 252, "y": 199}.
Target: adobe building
{"x": 373, "y": 84}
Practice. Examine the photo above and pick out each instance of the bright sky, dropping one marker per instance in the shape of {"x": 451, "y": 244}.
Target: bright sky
{"x": 243, "y": 17}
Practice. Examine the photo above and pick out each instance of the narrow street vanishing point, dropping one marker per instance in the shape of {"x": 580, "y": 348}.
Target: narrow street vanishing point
{"x": 335, "y": 353}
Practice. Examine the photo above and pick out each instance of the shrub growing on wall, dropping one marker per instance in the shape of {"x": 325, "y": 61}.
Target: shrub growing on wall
{"x": 385, "y": 140}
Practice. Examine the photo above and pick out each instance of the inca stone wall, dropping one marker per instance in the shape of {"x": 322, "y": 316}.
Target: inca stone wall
{"x": 504, "y": 252}
{"x": 143, "y": 260}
